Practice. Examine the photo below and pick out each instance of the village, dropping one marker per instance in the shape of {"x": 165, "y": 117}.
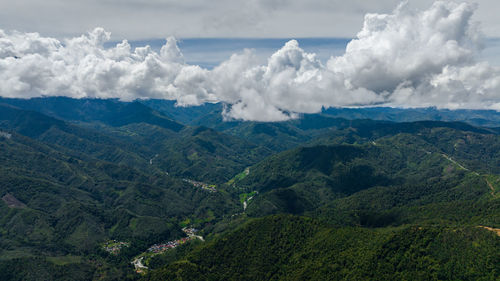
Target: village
{"x": 202, "y": 185}
{"x": 5, "y": 135}
{"x": 114, "y": 247}
{"x": 162, "y": 247}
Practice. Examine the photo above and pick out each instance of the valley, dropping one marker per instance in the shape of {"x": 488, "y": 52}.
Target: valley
{"x": 156, "y": 249}
{"x": 102, "y": 189}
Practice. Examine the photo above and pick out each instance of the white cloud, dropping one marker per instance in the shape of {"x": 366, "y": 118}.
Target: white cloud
{"x": 421, "y": 58}
{"x": 138, "y": 19}
{"x": 408, "y": 58}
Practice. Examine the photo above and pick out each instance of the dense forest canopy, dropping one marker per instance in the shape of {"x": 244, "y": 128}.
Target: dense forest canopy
{"x": 102, "y": 189}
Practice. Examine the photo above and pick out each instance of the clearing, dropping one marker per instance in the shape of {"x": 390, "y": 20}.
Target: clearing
{"x": 12, "y": 201}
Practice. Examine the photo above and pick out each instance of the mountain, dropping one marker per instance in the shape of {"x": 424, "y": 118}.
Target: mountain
{"x": 205, "y": 154}
{"x": 68, "y": 188}
{"x": 277, "y": 136}
{"x": 210, "y": 114}
{"x": 316, "y": 198}
{"x": 197, "y": 153}
{"x": 295, "y": 248}
{"x": 280, "y": 136}
{"x": 67, "y": 194}
{"x": 63, "y": 135}
{"x": 376, "y": 181}
{"x": 488, "y": 118}
{"x": 107, "y": 111}
{"x": 191, "y": 115}
{"x": 57, "y": 206}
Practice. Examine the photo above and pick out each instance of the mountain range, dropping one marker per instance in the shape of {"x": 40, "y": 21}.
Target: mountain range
{"x": 345, "y": 194}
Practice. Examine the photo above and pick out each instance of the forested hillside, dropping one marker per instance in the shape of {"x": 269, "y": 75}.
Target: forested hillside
{"x": 90, "y": 186}
{"x": 296, "y": 248}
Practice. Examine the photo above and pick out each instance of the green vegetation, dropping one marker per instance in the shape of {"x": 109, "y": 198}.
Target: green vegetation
{"x": 64, "y": 260}
{"x": 245, "y": 196}
{"x": 87, "y": 185}
{"x": 493, "y": 182}
{"x": 239, "y": 177}
{"x": 67, "y": 189}
{"x": 296, "y": 248}
{"x": 42, "y": 269}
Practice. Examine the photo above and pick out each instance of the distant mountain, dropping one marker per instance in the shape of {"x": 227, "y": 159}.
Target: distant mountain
{"x": 488, "y": 118}
{"x": 277, "y": 136}
{"x": 210, "y": 114}
{"x": 107, "y": 111}
{"x": 112, "y": 111}
{"x": 280, "y": 136}
{"x": 190, "y": 115}
{"x": 74, "y": 139}
{"x": 132, "y": 134}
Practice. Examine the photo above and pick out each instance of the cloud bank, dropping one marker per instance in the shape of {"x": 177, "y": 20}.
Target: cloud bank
{"x": 407, "y": 58}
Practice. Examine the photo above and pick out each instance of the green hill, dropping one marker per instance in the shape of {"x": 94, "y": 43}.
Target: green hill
{"x": 197, "y": 153}
{"x": 296, "y": 248}
{"x": 317, "y": 198}
{"x": 67, "y": 195}
{"x": 68, "y": 204}
{"x": 376, "y": 182}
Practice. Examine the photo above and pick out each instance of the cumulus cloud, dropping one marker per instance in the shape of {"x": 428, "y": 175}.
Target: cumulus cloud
{"x": 408, "y": 58}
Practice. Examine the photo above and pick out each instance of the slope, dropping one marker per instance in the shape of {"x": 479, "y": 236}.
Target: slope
{"x": 376, "y": 181}
{"x": 110, "y": 112}
{"x": 295, "y": 248}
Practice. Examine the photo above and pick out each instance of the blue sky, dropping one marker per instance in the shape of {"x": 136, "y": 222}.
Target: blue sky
{"x": 491, "y": 53}
{"x": 209, "y": 52}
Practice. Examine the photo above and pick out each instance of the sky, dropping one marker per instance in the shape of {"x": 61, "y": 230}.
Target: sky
{"x": 210, "y": 52}
{"x": 389, "y": 53}
{"x": 146, "y": 19}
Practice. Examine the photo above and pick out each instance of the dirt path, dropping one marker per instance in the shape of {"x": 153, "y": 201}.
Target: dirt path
{"x": 454, "y": 162}
{"x": 151, "y": 160}
{"x": 496, "y": 230}
{"x": 492, "y": 192}
{"x": 245, "y": 204}
{"x": 491, "y": 187}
